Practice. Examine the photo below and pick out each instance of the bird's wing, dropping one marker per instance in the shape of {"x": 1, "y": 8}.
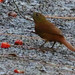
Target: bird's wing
{"x": 49, "y": 28}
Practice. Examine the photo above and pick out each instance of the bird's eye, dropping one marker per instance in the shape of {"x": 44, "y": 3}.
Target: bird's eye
{"x": 37, "y": 14}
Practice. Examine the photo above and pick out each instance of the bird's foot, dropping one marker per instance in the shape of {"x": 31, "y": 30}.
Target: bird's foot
{"x": 52, "y": 50}
{"x": 42, "y": 49}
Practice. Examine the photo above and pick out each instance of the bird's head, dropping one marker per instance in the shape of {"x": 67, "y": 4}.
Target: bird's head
{"x": 38, "y": 17}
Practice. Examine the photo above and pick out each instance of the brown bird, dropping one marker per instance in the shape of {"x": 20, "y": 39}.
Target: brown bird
{"x": 49, "y": 31}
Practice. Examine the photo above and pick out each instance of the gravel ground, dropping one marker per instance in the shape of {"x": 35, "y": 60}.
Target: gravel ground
{"x": 29, "y": 58}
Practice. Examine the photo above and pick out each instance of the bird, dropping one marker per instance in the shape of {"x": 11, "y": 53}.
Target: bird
{"x": 48, "y": 31}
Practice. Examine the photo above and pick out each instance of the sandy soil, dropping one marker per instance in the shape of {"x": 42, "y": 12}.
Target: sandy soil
{"x": 29, "y": 57}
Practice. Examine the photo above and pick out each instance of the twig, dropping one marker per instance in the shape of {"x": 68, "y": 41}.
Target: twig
{"x": 19, "y": 35}
{"x": 71, "y": 18}
{"x": 20, "y": 12}
{"x": 64, "y": 68}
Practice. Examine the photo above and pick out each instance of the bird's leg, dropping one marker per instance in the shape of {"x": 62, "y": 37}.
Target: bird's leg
{"x": 53, "y": 44}
{"x": 43, "y": 44}
{"x": 52, "y": 49}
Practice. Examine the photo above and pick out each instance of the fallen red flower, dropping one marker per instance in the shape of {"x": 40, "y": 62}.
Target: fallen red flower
{"x": 5, "y": 45}
{"x": 12, "y": 13}
{"x": 18, "y": 42}
{"x": 18, "y": 71}
{"x": 1, "y": 1}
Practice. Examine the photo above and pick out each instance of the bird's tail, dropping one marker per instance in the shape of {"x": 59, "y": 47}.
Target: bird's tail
{"x": 67, "y": 44}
